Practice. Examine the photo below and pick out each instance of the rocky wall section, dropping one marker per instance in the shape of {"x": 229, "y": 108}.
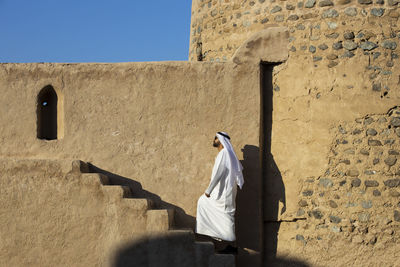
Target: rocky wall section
{"x": 356, "y": 202}
{"x": 327, "y": 30}
{"x": 358, "y": 195}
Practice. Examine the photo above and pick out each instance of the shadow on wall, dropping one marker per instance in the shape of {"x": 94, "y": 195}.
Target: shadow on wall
{"x": 274, "y": 192}
{"x": 181, "y": 219}
{"x": 250, "y": 221}
{"x": 273, "y": 189}
{"x": 171, "y": 250}
{"x": 248, "y": 202}
{"x": 176, "y": 250}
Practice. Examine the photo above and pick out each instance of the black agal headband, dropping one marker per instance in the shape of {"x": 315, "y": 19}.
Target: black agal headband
{"x": 224, "y": 135}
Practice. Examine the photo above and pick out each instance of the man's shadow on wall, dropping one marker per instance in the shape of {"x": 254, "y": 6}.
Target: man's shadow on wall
{"x": 257, "y": 203}
{"x": 181, "y": 219}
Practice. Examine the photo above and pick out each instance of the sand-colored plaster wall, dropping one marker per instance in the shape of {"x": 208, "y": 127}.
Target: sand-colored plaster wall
{"x": 148, "y": 125}
{"x": 152, "y": 122}
{"x": 53, "y": 217}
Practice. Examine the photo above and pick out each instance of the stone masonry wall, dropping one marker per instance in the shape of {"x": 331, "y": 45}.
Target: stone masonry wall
{"x": 350, "y": 214}
{"x": 339, "y": 84}
{"x": 329, "y": 30}
{"x": 358, "y": 195}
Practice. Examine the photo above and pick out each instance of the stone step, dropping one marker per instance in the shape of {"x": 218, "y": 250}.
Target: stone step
{"x": 116, "y": 192}
{"x": 222, "y": 260}
{"x": 171, "y": 248}
{"x": 94, "y": 179}
{"x": 188, "y": 233}
{"x": 203, "y": 252}
{"x": 137, "y": 204}
{"x": 159, "y": 220}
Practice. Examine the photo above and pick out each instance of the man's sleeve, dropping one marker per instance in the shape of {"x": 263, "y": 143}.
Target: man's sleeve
{"x": 218, "y": 172}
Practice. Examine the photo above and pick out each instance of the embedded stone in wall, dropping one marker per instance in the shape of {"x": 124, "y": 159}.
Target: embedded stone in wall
{"x": 368, "y": 121}
{"x": 323, "y": 46}
{"x": 371, "y": 183}
{"x": 293, "y": 17}
{"x": 303, "y": 203}
{"x": 376, "y": 193}
{"x": 351, "y": 11}
{"x": 332, "y": 35}
{"x": 325, "y": 182}
{"x": 378, "y": 12}
{"x": 368, "y": 45}
{"x": 331, "y": 56}
{"x": 348, "y": 35}
{"x": 337, "y": 46}
{"x": 372, "y": 132}
{"x": 308, "y": 193}
{"x": 388, "y": 44}
{"x": 330, "y": 13}
{"x": 391, "y": 183}
{"x": 335, "y": 219}
{"x": 332, "y": 64}
{"x": 396, "y": 215}
{"x": 310, "y": 3}
{"x": 290, "y": 7}
{"x": 366, "y": 204}
{"x": 276, "y": 9}
{"x": 393, "y": 151}
{"x": 349, "y": 45}
{"x": 353, "y": 173}
{"x": 324, "y": 3}
{"x": 333, "y": 204}
{"x": 347, "y": 54}
{"x": 376, "y": 87}
{"x": 395, "y": 121}
{"x": 355, "y": 182}
{"x": 317, "y": 214}
{"x": 373, "y": 142}
{"x": 390, "y": 161}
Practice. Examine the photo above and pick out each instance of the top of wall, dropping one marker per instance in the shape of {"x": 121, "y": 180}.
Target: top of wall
{"x": 219, "y": 27}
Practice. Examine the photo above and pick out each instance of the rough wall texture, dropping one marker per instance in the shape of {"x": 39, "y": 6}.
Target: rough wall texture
{"x": 219, "y": 27}
{"x": 340, "y": 76}
{"x": 149, "y": 126}
{"x": 52, "y": 218}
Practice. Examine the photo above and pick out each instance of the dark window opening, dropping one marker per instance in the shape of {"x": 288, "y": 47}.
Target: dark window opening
{"x": 47, "y": 114}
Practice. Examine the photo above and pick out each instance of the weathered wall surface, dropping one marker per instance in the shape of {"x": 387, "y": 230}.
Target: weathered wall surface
{"x": 51, "y": 218}
{"x": 219, "y": 27}
{"x": 340, "y": 76}
{"x": 147, "y": 125}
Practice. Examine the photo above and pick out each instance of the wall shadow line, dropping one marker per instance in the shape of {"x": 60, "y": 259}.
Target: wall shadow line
{"x": 181, "y": 219}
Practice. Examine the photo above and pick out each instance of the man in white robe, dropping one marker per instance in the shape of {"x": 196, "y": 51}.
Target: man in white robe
{"x": 216, "y": 208}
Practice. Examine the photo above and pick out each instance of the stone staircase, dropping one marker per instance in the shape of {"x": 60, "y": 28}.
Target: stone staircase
{"x": 165, "y": 245}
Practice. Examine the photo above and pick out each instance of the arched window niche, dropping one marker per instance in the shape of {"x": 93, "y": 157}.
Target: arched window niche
{"x": 49, "y": 114}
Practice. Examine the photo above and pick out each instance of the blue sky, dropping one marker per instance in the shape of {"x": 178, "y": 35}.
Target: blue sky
{"x": 94, "y": 30}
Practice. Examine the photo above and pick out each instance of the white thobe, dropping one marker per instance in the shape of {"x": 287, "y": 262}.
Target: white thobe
{"x": 215, "y": 215}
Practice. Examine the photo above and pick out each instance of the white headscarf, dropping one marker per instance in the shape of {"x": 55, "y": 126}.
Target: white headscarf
{"x": 235, "y": 167}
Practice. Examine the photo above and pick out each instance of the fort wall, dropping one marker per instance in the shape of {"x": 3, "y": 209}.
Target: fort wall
{"x": 330, "y": 187}
{"x": 151, "y": 122}
{"x": 333, "y": 142}
{"x": 148, "y": 126}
